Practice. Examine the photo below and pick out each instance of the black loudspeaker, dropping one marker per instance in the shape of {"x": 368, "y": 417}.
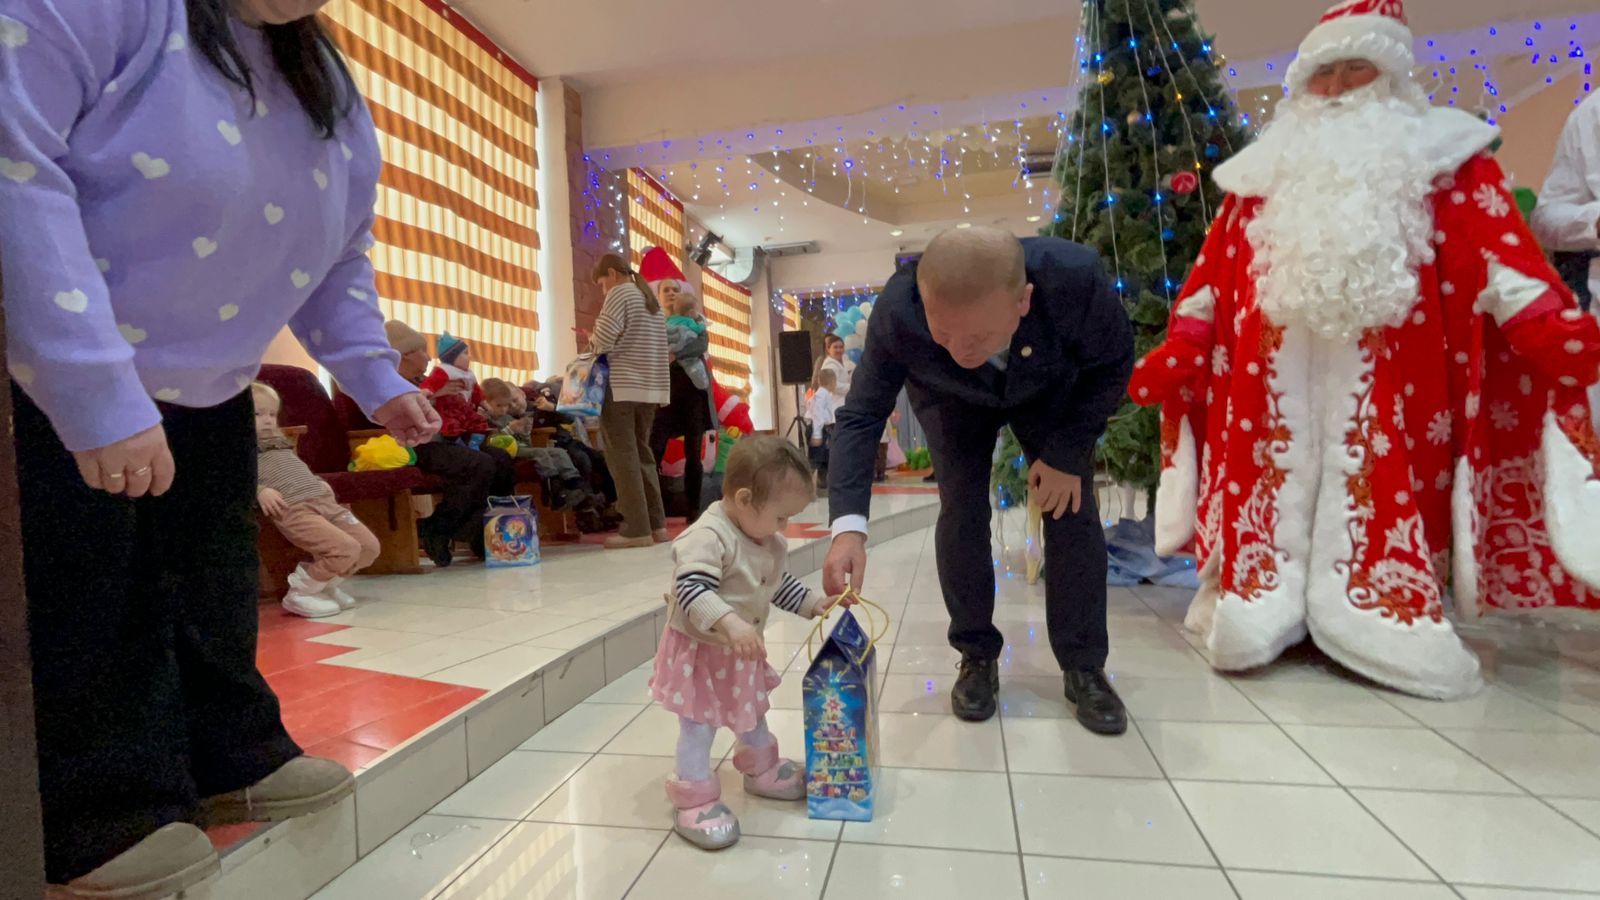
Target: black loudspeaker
{"x": 794, "y": 357}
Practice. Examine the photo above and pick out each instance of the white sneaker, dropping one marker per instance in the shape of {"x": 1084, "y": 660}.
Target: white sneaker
{"x": 311, "y": 606}
{"x": 337, "y": 595}
{"x": 304, "y": 597}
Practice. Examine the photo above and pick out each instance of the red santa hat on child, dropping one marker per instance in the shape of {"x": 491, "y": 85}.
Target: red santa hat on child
{"x": 1374, "y": 30}
{"x": 657, "y": 266}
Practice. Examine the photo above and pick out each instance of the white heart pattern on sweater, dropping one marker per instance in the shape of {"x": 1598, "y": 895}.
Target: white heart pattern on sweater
{"x": 299, "y": 279}
{"x": 229, "y": 132}
{"x": 204, "y": 247}
{"x": 321, "y": 178}
{"x": 274, "y": 213}
{"x": 168, "y": 395}
{"x": 131, "y": 334}
{"x": 227, "y": 311}
{"x": 13, "y": 34}
{"x": 73, "y": 301}
{"x": 21, "y": 171}
{"x": 177, "y": 42}
{"x": 21, "y": 373}
{"x": 151, "y": 167}
{"x": 103, "y": 264}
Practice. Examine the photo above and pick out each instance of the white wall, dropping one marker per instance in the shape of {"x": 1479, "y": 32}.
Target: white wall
{"x": 763, "y": 373}
{"x": 845, "y": 269}
{"x": 557, "y": 344}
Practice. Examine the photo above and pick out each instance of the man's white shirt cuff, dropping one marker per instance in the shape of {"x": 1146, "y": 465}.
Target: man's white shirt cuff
{"x": 849, "y": 525}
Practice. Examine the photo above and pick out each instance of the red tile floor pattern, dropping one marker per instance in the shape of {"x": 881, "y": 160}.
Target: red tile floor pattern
{"x": 350, "y": 715}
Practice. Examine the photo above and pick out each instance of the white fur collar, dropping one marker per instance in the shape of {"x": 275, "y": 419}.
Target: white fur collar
{"x": 1452, "y": 137}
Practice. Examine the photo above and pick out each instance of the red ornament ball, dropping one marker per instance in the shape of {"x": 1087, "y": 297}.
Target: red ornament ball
{"x": 1185, "y": 183}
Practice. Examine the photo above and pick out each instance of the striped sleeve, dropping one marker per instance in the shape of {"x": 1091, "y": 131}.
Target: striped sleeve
{"x": 697, "y": 576}
{"x": 794, "y": 597}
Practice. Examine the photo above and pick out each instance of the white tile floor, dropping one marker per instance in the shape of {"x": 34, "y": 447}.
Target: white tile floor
{"x": 483, "y": 628}
{"x": 1297, "y": 782}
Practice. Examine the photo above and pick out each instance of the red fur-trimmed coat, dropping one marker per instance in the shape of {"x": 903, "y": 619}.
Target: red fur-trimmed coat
{"x": 1341, "y": 488}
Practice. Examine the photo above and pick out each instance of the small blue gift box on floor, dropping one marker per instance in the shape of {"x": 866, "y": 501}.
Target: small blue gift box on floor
{"x": 841, "y": 722}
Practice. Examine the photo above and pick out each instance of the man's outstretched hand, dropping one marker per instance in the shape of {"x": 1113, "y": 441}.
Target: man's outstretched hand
{"x": 846, "y": 565}
{"x": 1058, "y": 492}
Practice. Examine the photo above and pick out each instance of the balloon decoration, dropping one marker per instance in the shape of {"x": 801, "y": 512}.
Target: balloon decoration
{"x": 851, "y": 325}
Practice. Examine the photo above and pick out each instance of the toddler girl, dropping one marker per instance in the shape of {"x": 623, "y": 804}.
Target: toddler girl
{"x": 302, "y": 507}
{"x": 711, "y": 668}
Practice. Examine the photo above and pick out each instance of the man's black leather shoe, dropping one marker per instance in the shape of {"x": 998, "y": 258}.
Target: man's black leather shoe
{"x": 977, "y": 689}
{"x": 1099, "y": 708}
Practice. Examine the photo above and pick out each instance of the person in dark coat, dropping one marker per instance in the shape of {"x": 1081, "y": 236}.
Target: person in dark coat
{"x": 986, "y": 330}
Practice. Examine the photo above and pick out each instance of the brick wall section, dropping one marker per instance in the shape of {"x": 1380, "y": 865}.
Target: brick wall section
{"x": 588, "y": 245}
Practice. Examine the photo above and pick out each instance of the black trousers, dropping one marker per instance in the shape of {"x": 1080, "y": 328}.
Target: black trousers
{"x": 688, "y": 416}
{"x": 142, "y": 618}
{"x": 469, "y": 477}
{"x": 961, "y": 438}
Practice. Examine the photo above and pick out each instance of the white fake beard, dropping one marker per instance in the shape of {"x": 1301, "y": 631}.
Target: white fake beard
{"x": 1347, "y": 220}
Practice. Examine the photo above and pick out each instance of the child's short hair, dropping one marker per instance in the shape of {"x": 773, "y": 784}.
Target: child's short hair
{"x": 497, "y": 389}
{"x": 259, "y": 389}
{"x": 826, "y": 378}
{"x": 761, "y": 464}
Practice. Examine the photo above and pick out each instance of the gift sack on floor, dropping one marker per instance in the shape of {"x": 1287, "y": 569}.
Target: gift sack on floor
{"x": 511, "y": 532}
{"x": 583, "y": 391}
{"x": 841, "y": 722}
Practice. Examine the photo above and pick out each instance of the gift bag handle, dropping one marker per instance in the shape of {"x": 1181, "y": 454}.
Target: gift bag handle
{"x": 865, "y": 604}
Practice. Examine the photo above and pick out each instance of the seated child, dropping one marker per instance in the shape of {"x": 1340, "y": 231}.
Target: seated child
{"x": 507, "y": 409}
{"x": 711, "y": 668}
{"x": 456, "y": 394}
{"x": 821, "y": 412}
{"x": 302, "y": 507}
{"x": 688, "y": 341}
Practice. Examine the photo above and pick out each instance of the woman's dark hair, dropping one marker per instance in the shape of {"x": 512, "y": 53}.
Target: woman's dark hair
{"x": 828, "y": 340}
{"x": 303, "y": 52}
{"x": 613, "y": 262}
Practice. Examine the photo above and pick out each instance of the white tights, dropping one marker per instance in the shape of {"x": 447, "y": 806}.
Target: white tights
{"x": 694, "y": 746}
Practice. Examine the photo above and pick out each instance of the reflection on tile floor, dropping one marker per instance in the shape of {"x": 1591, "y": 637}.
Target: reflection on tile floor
{"x": 1295, "y": 782}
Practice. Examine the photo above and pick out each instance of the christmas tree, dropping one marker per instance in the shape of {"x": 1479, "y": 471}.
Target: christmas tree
{"x": 1155, "y": 118}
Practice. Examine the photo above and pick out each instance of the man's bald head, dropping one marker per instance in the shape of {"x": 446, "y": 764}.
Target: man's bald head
{"x": 962, "y": 266}
{"x": 975, "y": 291}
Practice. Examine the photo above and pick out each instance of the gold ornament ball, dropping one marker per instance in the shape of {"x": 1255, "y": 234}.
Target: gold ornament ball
{"x": 1106, "y": 77}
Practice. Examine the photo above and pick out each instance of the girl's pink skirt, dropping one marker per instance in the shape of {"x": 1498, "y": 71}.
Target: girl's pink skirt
{"x": 706, "y": 683}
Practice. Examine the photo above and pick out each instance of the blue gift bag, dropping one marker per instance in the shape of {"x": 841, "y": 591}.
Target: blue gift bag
{"x": 841, "y": 721}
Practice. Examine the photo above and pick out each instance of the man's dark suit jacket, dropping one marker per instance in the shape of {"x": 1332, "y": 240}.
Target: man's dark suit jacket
{"x": 1067, "y": 371}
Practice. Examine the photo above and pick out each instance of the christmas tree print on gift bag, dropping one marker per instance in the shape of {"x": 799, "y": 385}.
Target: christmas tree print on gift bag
{"x": 511, "y": 532}
{"x": 841, "y": 721}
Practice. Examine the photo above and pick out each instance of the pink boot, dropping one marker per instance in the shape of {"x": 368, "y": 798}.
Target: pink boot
{"x": 701, "y": 818}
{"x": 768, "y": 775}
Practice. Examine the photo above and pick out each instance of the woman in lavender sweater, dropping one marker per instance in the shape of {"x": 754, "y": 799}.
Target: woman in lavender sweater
{"x": 178, "y": 180}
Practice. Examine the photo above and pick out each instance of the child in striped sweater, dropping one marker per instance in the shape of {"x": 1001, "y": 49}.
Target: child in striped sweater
{"x": 712, "y": 669}
{"x": 303, "y": 508}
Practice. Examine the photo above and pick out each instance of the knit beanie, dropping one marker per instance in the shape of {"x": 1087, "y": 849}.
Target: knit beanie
{"x": 403, "y": 338}
{"x": 450, "y": 348}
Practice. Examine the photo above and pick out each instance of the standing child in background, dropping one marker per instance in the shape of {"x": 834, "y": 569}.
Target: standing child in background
{"x": 302, "y": 507}
{"x": 820, "y": 411}
{"x": 687, "y": 337}
{"x": 456, "y": 394}
{"x": 711, "y": 669}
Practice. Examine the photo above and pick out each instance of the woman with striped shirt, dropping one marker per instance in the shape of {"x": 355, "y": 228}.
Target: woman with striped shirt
{"x": 633, "y": 334}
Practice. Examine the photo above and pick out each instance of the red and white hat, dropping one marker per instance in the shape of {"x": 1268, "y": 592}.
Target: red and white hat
{"x": 656, "y": 266}
{"x": 1374, "y": 30}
